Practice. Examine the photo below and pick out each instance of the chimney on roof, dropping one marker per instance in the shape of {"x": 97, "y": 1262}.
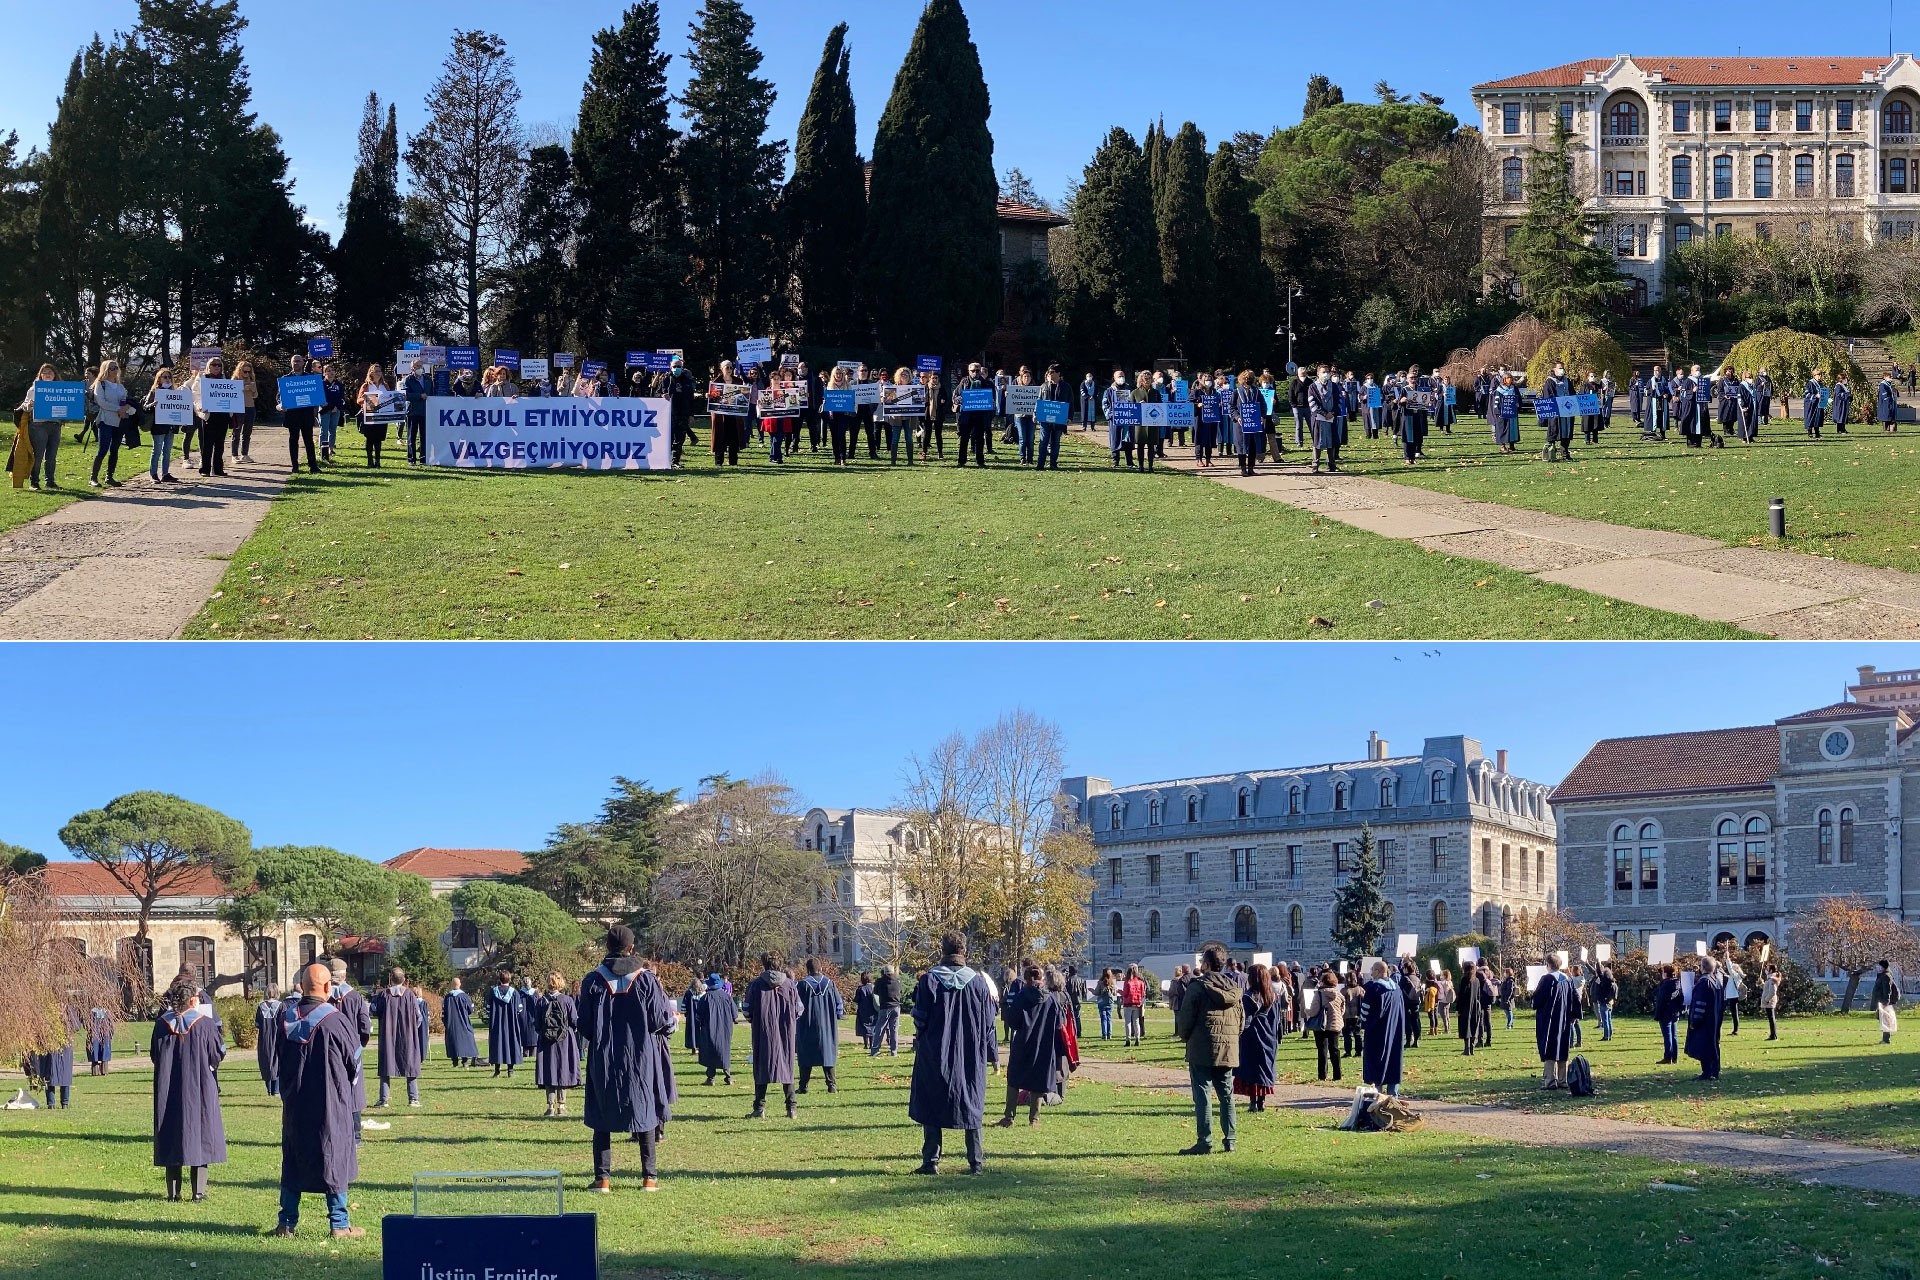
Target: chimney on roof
{"x": 1376, "y": 746}
{"x": 1500, "y": 759}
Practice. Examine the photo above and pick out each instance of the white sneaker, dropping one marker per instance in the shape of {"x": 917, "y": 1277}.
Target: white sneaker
{"x": 374, "y": 1124}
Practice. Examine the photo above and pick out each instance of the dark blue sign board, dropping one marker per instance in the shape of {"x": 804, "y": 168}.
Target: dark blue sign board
{"x": 320, "y": 348}
{"x": 1124, "y": 414}
{"x": 979, "y": 400}
{"x": 928, "y": 364}
{"x": 303, "y": 391}
{"x": 511, "y": 359}
{"x": 1252, "y": 421}
{"x": 550, "y": 1247}
{"x": 463, "y": 357}
{"x": 1052, "y": 412}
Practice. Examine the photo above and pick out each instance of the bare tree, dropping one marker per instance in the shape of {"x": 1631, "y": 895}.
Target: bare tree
{"x": 1850, "y": 935}
{"x": 51, "y": 979}
{"x": 942, "y": 870}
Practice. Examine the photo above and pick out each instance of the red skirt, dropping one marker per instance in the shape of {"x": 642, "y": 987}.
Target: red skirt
{"x": 1241, "y": 1089}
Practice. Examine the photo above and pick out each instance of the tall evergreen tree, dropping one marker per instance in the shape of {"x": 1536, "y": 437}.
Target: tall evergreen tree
{"x": 733, "y": 176}
{"x": 933, "y": 226}
{"x": 826, "y": 205}
{"x": 630, "y": 252}
{"x": 20, "y": 341}
{"x": 1361, "y": 912}
{"x": 1114, "y": 306}
{"x": 467, "y": 164}
{"x": 1321, "y": 92}
{"x": 1243, "y": 283}
{"x": 533, "y": 303}
{"x": 376, "y": 266}
{"x": 1187, "y": 246}
{"x": 1565, "y": 276}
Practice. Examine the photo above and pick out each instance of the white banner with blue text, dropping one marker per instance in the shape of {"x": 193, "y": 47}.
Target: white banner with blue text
{"x": 549, "y": 433}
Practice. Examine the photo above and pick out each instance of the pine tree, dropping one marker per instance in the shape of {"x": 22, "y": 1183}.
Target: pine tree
{"x": 826, "y": 206}
{"x": 1565, "y": 276}
{"x": 630, "y": 255}
{"x": 1321, "y": 92}
{"x": 1243, "y": 284}
{"x": 933, "y": 228}
{"x": 534, "y": 300}
{"x": 1114, "y": 306}
{"x": 375, "y": 267}
{"x": 732, "y": 175}
{"x": 1361, "y": 913}
{"x": 1187, "y": 246}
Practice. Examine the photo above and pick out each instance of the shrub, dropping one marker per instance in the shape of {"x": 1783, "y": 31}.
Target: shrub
{"x": 236, "y": 1015}
{"x": 1790, "y": 356}
{"x": 1583, "y": 351}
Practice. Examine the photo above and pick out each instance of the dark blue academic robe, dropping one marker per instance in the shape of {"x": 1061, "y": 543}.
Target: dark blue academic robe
{"x": 1259, "y": 1042}
{"x": 266, "y": 1018}
{"x": 354, "y": 1005}
{"x": 503, "y": 1026}
{"x": 688, "y": 1003}
{"x": 866, "y": 1008}
{"x": 1705, "y": 1008}
{"x": 1555, "y": 1006}
{"x": 426, "y": 1025}
{"x": 952, "y": 1045}
{"x": 187, "y": 1130}
{"x": 713, "y": 1018}
{"x": 1383, "y": 1032}
{"x": 623, "y": 1013}
{"x": 557, "y": 1065}
{"x": 819, "y": 1030}
{"x": 456, "y": 1010}
{"x": 529, "y": 1029}
{"x": 1886, "y": 403}
{"x": 773, "y": 1014}
{"x": 398, "y": 1056}
{"x": 1033, "y": 1045}
{"x": 319, "y": 1067}
{"x": 56, "y": 1068}
{"x": 100, "y": 1036}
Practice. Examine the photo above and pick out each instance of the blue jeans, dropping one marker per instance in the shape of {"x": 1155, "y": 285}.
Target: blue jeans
{"x": 386, "y": 1089}
{"x": 1024, "y": 426}
{"x": 900, "y": 431}
{"x": 1216, "y": 1081}
{"x": 1509, "y": 1017}
{"x": 329, "y": 427}
{"x": 162, "y": 457}
{"x": 336, "y": 1209}
{"x": 1576, "y": 1033}
{"x": 1670, "y": 1039}
{"x": 1106, "y": 1022}
{"x": 1049, "y": 451}
{"x": 886, "y": 1028}
{"x": 1606, "y": 1021}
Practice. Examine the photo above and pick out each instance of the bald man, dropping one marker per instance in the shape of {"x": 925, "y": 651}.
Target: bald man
{"x": 319, "y": 1062}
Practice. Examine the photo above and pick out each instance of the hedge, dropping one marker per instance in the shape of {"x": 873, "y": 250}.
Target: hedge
{"x": 1583, "y": 351}
{"x": 1790, "y": 357}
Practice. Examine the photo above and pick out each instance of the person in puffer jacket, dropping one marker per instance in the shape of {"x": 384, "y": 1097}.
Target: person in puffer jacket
{"x": 1209, "y": 1021}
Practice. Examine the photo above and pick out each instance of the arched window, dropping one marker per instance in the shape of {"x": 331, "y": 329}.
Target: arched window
{"x": 1439, "y": 919}
{"x": 1294, "y": 798}
{"x": 1846, "y": 836}
{"x": 1243, "y": 803}
{"x": 263, "y": 966}
{"x": 1763, "y": 177}
{"x": 1803, "y": 175}
{"x": 1756, "y": 833}
{"x": 1824, "y": 846}
{"x": 1296, "y": 922}
{"x": 1153, "y": 926}
{"x": 1513, "y": 178}
{"x": 136, "y": 956}
{"x": 1650, "y": 856}
{"x": 1437, "y": 787}
{"x": 913, "y": 840}
{"x": 1683, "y": 177}
{"x": 196, "y": 959}
{"x": 1386, "y": 793}
{"x": 1153, "y": 813}
{"x": 1193, "y": 924}
{"x": 1340, "y": 796}
{"x": 1623, "y": 120}
{"x": 1843, "y": 175}
{"x": 1726, "y": 854}
{"x": 1113, "y": 816}
{"x": 1897, "y": 118}
{"x": 1115, "y": 930}
{"x": 310, "y": 947}
{"x": 1723, "y": 177}
{"x": 1246, "y": 927}
{"x": 1193, "y": 808}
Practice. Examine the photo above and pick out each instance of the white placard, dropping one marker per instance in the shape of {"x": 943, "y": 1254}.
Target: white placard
{"x": 1263, "y": 957}
{"x": 1700, "y": 947}
{"x": 1535, "y": 972}
{"x": 1310, "y": 1002}
{"x": 172, "y": 407}
{"x": 1583, "y": 955}
{"x": 1407, "y": 946}
{"x": 1563, "y": 957}
{"x": 866, "y": 393}
{"x": 1166, "y": 984}
{"x": 1343, "y": 968}
{"x": 1473, "y": 954}
{"x": 533, "y": 369}
{"x": 1366, "y": 965}
{"x": 1766, "y": 949}
{"x": 1603, "y": 952}
{"x": 1686, "y": 986}
{"x": 1022, "y": 401}
{"x": 1433, "y": 965}
{"x": 548, "y": 433}
{"x": 1660, "y": 948}
{"x": 220, "y": 395}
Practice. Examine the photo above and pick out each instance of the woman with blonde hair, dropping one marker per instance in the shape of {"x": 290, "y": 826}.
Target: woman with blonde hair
{"x": 43, "y": 435}
{"x": 842, "y": 428}
{"x": 243, "y": 425}
{"x": 111, "y": 399}
{"x": 213, "y": 426}
{"x": 159, "y": 461}
{"x": 897, "y": 428}
{"x": 374, "y": 394}
{"x": 556, "y": 1059}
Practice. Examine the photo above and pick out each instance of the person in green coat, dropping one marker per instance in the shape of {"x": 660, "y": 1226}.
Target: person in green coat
{"x": 1209, "y": 1020}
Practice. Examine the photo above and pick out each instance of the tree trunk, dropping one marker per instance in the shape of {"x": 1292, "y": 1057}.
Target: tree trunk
{"x": 1853, "y": 986}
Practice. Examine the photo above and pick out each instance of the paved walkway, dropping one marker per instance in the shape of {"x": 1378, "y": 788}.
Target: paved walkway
{"x": 1779, "y": 593}
{"x": 1814, "y": 1163}
{"x": 137, "y": 562}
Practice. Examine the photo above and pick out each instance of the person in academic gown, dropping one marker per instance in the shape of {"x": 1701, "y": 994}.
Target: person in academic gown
{"x": 1763, "y": 396}
{"x": 1033, "y": 1046}
{"x": 687, "y": 1003}
{"x": 1254, "y": 1076}
{"x": 1842, "y": 403}
{"x": 349, "y": 1001}
{"x": 319, "y": 1055}
{"x": 1705, "y": 1008}
{"x": 714, "y": 1015}
{"x": 556, "y": 1062}
{"x": 99, "y": 1040}
{"x": 503, "y": 1024}
{"x": 529, "y": 1030}
{"x": 773, "y": 1016}
{"x": 54, "y": 1070}
{"x": 398, "y": 1055}
{"x": 187, "y": 1131}
{"x": 1886, "y": 405}
{"x": 953, "y": 1045}
{"x": 266, "y": 1017}
{"x": 819, "y": 1028}
{"x": 1813, "y": 405}
{"x": 1555, "y": 1006}
{"x": 456, "y": 1011}
{"x": 624, "y": 1014}
{"x": 426, "y": 1023}
{"x": 1382, "y": 1030}
{"x": 1467, "y": 1004}
{"x": 866, "y": 1009}
{"x": 1559, "y": 430}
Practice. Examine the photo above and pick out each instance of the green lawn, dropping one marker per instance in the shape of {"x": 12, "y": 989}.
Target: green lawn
{"x": 71, "y": 468}
{"x": 1094, "y": 1191}
{"x": 1826, "y": 1077}
{"x": 873, "y": 552}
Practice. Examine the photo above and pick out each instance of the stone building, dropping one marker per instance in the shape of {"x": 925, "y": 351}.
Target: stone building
{"x": 1671, "y": 149}
{"x": 446, "y": 870}
{"x": 862, "y": 916}
{"x": 1254, "y": 859}
{"x": 1724, "y": 834}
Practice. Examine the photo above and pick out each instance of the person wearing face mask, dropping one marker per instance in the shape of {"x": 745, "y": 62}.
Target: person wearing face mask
{"x": 1119, "y": 438}
{"x": 974, "y": 424}
{"x": 1324, "y": 412}
{"x": 1559, "y": 429}
{"x": 1047, "y": 449}
{"x": 680, "y": 393}
{"x": 1089, "y": 401}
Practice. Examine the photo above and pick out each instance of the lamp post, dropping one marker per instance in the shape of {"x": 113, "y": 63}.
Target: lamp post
{"x": 1292, "y": 293}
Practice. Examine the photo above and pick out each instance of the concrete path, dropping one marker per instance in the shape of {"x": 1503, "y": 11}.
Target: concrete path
{"x": 1777, "y": 593}
{"x": 1813, "y": 1163}
{"x": 136, "y": 562}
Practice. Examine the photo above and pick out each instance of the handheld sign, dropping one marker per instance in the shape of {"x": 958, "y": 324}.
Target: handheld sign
{"x": 594, "y": 368}
{"x": 1266, "y": 394}
{"x": 1567, "y": 406}
{"x": 172, "y": 407}
{"x": 1373, "y": 397}
{"x": 1603, "y": 951}
{"x": 1366, "y": 965}
{"x": 1263, "y": 957}
{"x": 753, "y": 351}
{"x": 432, "y": 356}
{"x": 983, "y": 400}
{"x": 1166, "y": 984}
{"x": 1563, "y": 958}
{"x": 1471, "y": 953}
{"x": 909, "y": 401}
{"x": 1452, "y": 398}
{"x": 303, "y": 391}
{"x": 1686, "y": 986}
{"x": 1589, "y": 404}
{"x": 1583, "y": 955}
{"x": 1179, "y": 414}
{"x": 651, "y": 361}
{"x": 852, "y": 367}
{"x": 534, "y": 369}
{"x": 1700, "y": 947}
{"x": 1252, "y": 424}
{"x": 563, "y": 359}
{"x": 1766, "y": 949}
{"x": 463, "y": 358}
{"x": 1406, "y": 945}
{"x": 839, "y": 401}
{"x": 320, "y": 348}
{"x": 1433, "y": 965}
{"x": 865, "y": 393}
{"x": 413, "y": 344}
{"x": 1660, "y": 948}
{"x": 59, "y": 401}
{"x": 929, "y": 364}
{"x": 222, "y": 395}
{"x": 1124, "y": 414}
{"x": 197, "y": 357}
{"x": 1343, "y": 968}
{"x": 1535, "y": 972}
{"x": 1182, "y": 389}
{"x": 729, "y": 399}
{"x": 1052, "y": 413}
{"x": 511, "y": 359}
{"x": 1020, "y": 400}
{"x": 784, "y": 400}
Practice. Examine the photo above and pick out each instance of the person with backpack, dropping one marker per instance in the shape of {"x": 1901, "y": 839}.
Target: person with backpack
{"x": 1411, "y": 990}
{"x": 1770, "y": 1001}
{"x": 622, "y": 1011}
{"x": 556, "y": 1060}
{"x": 1705, "y": 1009}
{"x": 1604, "y": 990}
{"x": 1555, "y": 1010}
{"x": 1886, "y": 1002}
{"x": 1105, "y": 992}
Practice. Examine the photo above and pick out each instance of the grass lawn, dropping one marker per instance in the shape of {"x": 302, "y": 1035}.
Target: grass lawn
{"x": 1826, "y": 1077}
{"x": 1094, "y": 1191}
{"x": 71, "y": 468}
{"x": 1854, "y": 497}
{"x": 874, "y": 552}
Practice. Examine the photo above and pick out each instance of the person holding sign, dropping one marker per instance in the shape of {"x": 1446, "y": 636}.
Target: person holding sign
{"x": 42, "y": 442}
{"x": 1325, "y": 410}
{"x": 975, "y": 423}
{"x": 839, "y": 410}
{"x": 161, "y": 412}
{"x": 416, "y": 388}
{"x": 110, "y": 401}
{"x": 336, "y": 409}
{"x": 375, "y": 395}
{"x": 1559, "y": 426}
{"x": 1050, "y": 422}
{"x": 1555, "y": 1009}
{"x": 240, "y": 442}
{"x": 1119, "y": 438}
{"x": 1503, "y": 406}
{"x": 299, "y": 419}
{"x": 214, "y": 423}
{"x": 1669, "y": 1005}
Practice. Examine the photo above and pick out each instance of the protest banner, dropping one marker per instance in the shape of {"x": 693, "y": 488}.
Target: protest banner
{"x": 1583, "y": 955}
{"x": 1535, "y": 972}
{"x": 1020, "y": 400}
{"x": 1563, "y": 957}
{"x": 1433, "y": 964}
{"x": 1052, "y": 413}
{"x": 563, "y": 359}
{"x": 729, "y": 399}
{"x": 197, "y": 357}
{"x": 413, "y": 344}
{"x": 1263, "y": 957}
{"x": 1373, "y": 397}
{"x": 405, "y": 361}
{"x": 1166, "y": 415}
{"x": 838, "y": 400}
{"x": 1266, "y": 395}
{"x": 1589, "y": 404}
{"x": 929, "y": 364}
{"x": 1406, "y": 945}
{"x": 320, "y": 348}
{"x": 510, "y": 359}
{"x": 865, "y": 393}
{"x": 1210, "y": 407}
{"x": 790, "y": 360}
{"x": 1567, "y": 406}
{"x": 429, "y": 355}
{"x": 753, "y": 351}
{"x": 651, "y": 361}
{"x": 1603, "y": 952}
{"x": 543, "y": 433}
{"x": 1182, "y": 390}
{"x": 220, "y": 395}
{"x": 1469, "y": 953}
{"x": 785, "y": 399}
{"x": 1343, "y": 968}
{"x": 852, "y": 367}
{"x": 909, "y": 401}
{"x": 59, "y": 401}
{"x": 1125, "y": 413}
{"x": 533, "y": 369}
{"x": 172, "y": 407}
{"x": 1700, "y": 947}
{"x": 303, "y": 391}
{"x": 981, "y": 400}
{"x": 1251, "y": 421}
{"x": 390, "y": 408}
{"x": 463, "y": 358}
{"x": 1686, "y": 986}
{"x": 1452, "y": 396}
{"x": 1366, "y": 965}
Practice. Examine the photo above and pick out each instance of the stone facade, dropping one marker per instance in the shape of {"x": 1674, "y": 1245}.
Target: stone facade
{"x": 1254, "y": 859}
{"x": 867, "y": 905}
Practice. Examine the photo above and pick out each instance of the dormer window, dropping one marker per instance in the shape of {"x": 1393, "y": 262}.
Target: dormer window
{"x": 1437, "y": 787}
{"x": 1296, "y": 798}
{"x": 1340, "y": 792}
{"x": 1387, "y": 789}
{"x": 1153, "y": 813}
{"x": 1113, "y": 816}
{"x": 1193, "y": 808}
{"x": 1243, "y": 803}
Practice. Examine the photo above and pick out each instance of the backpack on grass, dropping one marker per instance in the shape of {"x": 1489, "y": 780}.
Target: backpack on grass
{"x": 1579, "y": 1078}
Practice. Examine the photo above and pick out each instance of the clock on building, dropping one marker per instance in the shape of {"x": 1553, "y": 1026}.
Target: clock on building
{"x": 1836, "y": 744}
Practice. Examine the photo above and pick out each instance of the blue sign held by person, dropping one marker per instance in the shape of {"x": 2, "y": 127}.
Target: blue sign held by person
{"x": 1125, "y": 413}
{"x": 983, "y": 400}
{"x": 1052, "y": 413}
{"x": 59, "y": 401}
{"x": 320, "y": 348}
{"x": 563, "y": 359}
{"x": 463, "y": 358}
{"x": 1451, "y": 397}
{"x": 594, "y": 368}
{"x": 1179, "y": 414}
{"x": 511, "y": 359}
{"x": 1589, "y": 404}
{"x": 1568, "y": 406}
{"x": 1182, "y": 389}
{"x": 1252, "y": 421}
{"x": 303, "y": 391}
{"x": 929, "y": 364}
{"x": 839, "y": 401}
{"x": 1373, "y": 397}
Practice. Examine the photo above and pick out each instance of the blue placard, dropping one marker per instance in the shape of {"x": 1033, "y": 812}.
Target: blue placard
{"x": 1052, "y": 412}
{"x": 1182, "y": 390}
{"x": 1210, "y": 407}
{"x": 303, "y": 391}
{"x": 320, "y": 348}
{"x": 1266, "y": 395}
{"x": 929, "y": 364}
{"x": 651, "y": 361}
{"x": 1589, "y": 404}
{"x": 1568, "y": 406}
{"x": 59, "y": 401}
{"x": 840, "y": 401}
{"x": 1126, "y": 413}
{"x": 1179, "y": 414}
{"x": 1373, "y": 397}
{"x": 463, "y": 357}
{"x": 1252, "y": 422}
{"x": 594, "y": 368}
{"x": 1450, "y": 397}
{"x": 563, "y": 359}
{"x": 984, "y": 400}
{"x": 511, "y": 359}
{"x": 442, "y": 382}
{"x": 412, "y": 344}
{"x": 552, "y": 1247}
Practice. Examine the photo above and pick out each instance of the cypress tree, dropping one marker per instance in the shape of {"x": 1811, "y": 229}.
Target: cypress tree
{"x": 732, "y": 176}
{"x": 376, "y": 259}
{"x": 826, "y": 206}
{"x": 630, "y": 253}
{"x": 535, "y": 297}
{"x": 1243, "y": 283}
{"x": 1114, "y": 305}
{"x": 933, "y": 227}
{"x": 1186, "y": 246}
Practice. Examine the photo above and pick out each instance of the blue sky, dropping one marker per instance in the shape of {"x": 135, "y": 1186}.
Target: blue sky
{"x": 1062, "y": 72}
{"x": 378, "y": 748}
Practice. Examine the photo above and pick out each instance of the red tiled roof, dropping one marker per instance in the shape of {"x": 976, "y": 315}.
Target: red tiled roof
{"x": 1733, "y": 70}
{"x": 91, "y": 880}
{"x": 450, "y": 864}
{"x": 1674, "y": 763}
{"x": 1840, "y": 711}
{"x": 1011, "y": 211}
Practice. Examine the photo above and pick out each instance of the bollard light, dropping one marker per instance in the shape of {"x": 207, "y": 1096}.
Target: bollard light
{"x": 1777, "y": 517}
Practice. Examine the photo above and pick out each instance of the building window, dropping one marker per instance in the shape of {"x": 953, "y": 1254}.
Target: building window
{"x": 1623, "y": 183}
{"x": 1566, "y": 116}
{"x": 1153, "y": 871}
{"x": 1756, "y": 852}
{"x": 1803, "y": 175}
{"x": 1509, "y": 117}
{"x": 1437, "y": 851}
{"x": 1897, "y": 118}
{"x": 463, "y": 935}
{"x": 1513, "y": 178}
{"x": 1193, "y": 867}
{"x": 1113, "y": 816}
{"x": 1683, "y": 117}
{"x": 1843, "y": 175}
{"x": 1763, "y": 177}
{"x": 1763, "y": 231}
{"x": 1623, "y": 240}
{"x": 1727, "y": 855}
{"x": 1439, "y": 919}
{"x": 1193, "y": 924}
{"x": 1242, "y": 865}
{"x": 1437, "y": 787}
{"x": 1193, "y": 808}
{"x": 1340, "y": 797}
{"x": 1897, "y": 176}
{"x": 1244, "y": 803}
{"x": 1386, "y": 858}
{"x": 1293, "y": 862}
{"x": 263, "y": 966}
{"x": 1623, "y": 120}
{"x": 1115, "y": 930}
{"x": 136, "y": 956}
{"x": 1153, "y": 926}
{"x": 1153, "y": 813}
{"x": 1246, "y": 927}
{"x": 1295, "y": 799}
{"x": 1723, "y": 116}
{"x": 1683, "y": 177}
{"x": 1846, "y": 836}
{"x": 1824, "y": 847}
{"x": 1113, "y": 874}
{"x": 1723, "y": 177}
{"x": 1523, "y": 866}
{"x": 1649, "y": 858}
{"x": 1486, "y": 861}
{"x": 1340, "y": 864}
{"x": 1623, "y": 869}
{"x": 1762, "y": 117}
{"x": 1721, "y": 230}
{"x": 309, "y": 948}
{"x": 1843, "y": 116}
{"x": 1540, "y": 869}
{"x": 1506, "y": 865}
{"x": 1683, "y": 233}
{"x": 196, "y": 960}
{"x": 1387, "y": 789}
{"x": 1803, "y": 115}
{"x": 1296, "y": 922}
